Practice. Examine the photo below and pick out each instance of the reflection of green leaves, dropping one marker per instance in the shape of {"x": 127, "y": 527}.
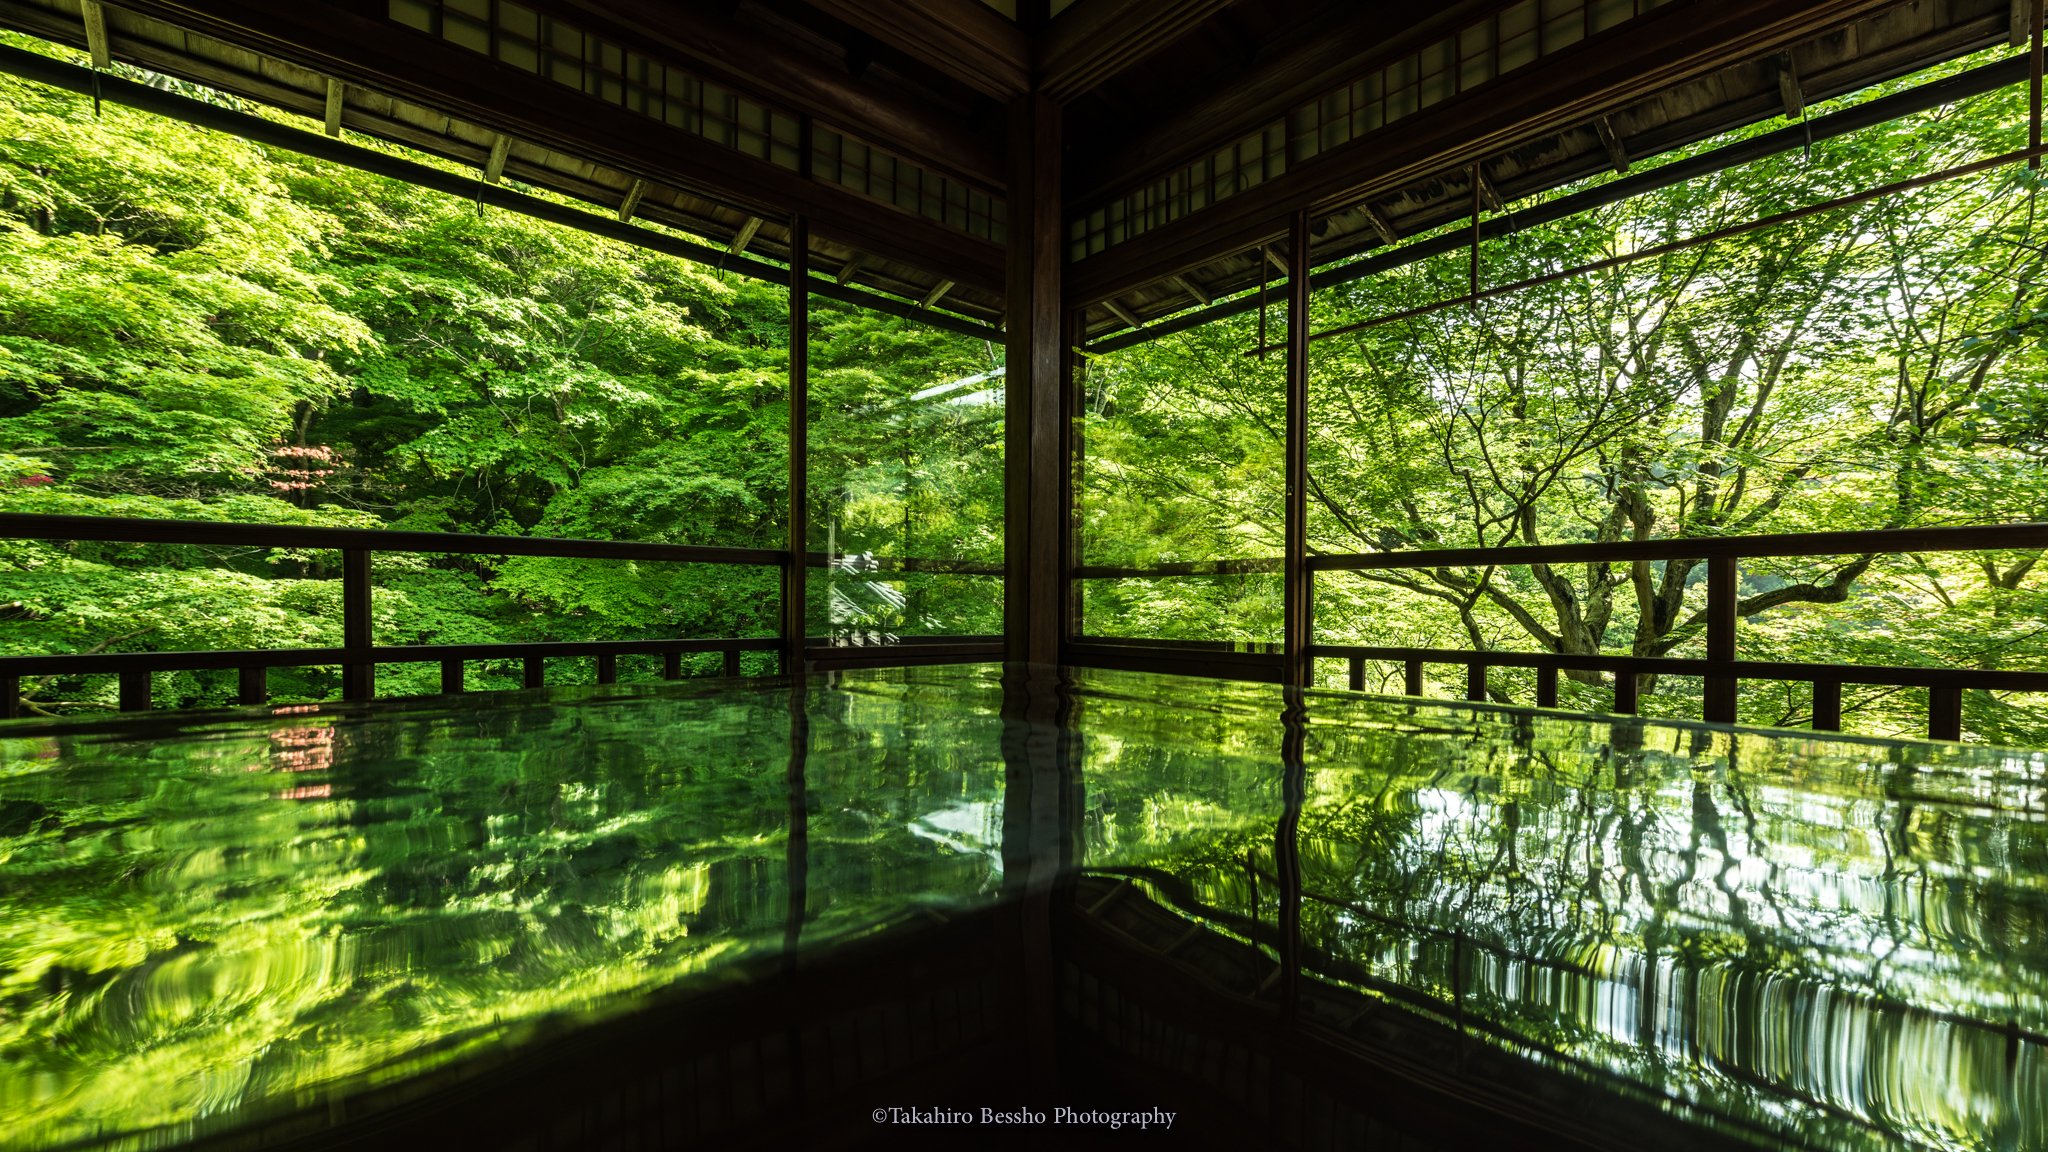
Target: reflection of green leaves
{"x": 223, "y": 918}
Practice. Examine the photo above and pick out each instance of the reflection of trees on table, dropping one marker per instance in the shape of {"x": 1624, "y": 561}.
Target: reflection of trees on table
{"x": 1845, "y": 938}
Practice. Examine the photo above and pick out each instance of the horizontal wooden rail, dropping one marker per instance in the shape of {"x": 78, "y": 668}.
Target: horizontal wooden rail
{"x": 359, "y": 655}
{"x": 136, "y": 668}
{"x": 888, "y": 565}
{"x": 1880, "y": 542}
{"x": 126, "y": 530}
{"x": 1179, "y": 568}
{"x": 905, "y": 652}
{"x": 1944, "y": 685}
{"x": 1189, "y": 659}
{"x": 1721, "y": 670}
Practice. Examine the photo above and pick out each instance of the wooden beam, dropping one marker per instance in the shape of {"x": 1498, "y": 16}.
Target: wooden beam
{"x": 1187, "y": 286}
{"x": 1381, "y": 225}
{"x": 1274, "y": 259}
{"x": 1091, "y": 43}
{"x": 1297, "y": 584}
{"x": 1487, "y": 194}
{"x": 336, "y": 92}
{"x": 937, "y": 294}
{"x": 96, "y": 42}
{"x": 1323, "y": 54}
{"x": 1788, "y": 88}
{"x": 795, "y": 622}
{"x": 501, "y": 148}
{"x": 632, "y": 201}
{"x": 1675, "y": 45}
{"x": 847, "y": 269}
{"x": 326, "y": 37}
{"x": 1617, "y": 155}
{"x": 744, "y": 236}
{"x": 1120, "y": 312}
{"x": 1035, "y": 385}
{"x": 709, "y": 40}
{"x": 2019, "y": 27}
{"x": 964, "y": 39}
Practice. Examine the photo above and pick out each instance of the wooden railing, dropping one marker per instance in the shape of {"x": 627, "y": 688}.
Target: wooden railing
{"x": 359, "y": 654}
{"x": 1722, "y": 670}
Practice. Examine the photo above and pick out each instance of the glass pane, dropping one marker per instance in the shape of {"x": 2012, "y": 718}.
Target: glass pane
{"x": 906, "y": 478}
{"x": 258, "y": 337}
{"x": 1861, "y": 368}
{"x": 1181, "y": 464}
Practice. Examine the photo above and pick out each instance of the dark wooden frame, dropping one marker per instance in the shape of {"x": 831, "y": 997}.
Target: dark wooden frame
{"x": 1721, "y": 668}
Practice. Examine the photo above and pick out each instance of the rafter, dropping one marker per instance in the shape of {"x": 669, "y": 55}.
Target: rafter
{"x": 96, "y": 43}
{"x": 331, "y": 118}
{"x": 744, "y": 236}
{"x": 1088, "y": 44}
{"x": 962, "y": 38}
{"x": 1617, "y": 154}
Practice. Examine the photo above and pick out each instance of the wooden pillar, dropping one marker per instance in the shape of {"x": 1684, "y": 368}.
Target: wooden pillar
{"x": 794, "y": 625}
{"x": 1297, "y": 602}
{"x": 1035, "y": 363}
{"x": 358, "y": 673}
{"x": 1722, "y": 615}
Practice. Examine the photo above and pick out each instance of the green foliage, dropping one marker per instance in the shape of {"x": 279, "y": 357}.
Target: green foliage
{"x": 197, "y": 327}
{"x": 194, "y": 326}
{"x": 1877, "y": 366}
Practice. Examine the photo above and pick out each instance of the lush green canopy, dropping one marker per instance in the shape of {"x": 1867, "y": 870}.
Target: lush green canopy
{"x": 195, "y": 326}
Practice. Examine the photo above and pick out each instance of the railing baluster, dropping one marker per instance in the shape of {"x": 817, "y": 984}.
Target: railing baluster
{"x": 358, "y": 672}
{"x": 1625, "y": 693}
{"x": 1475, "y": 680}
{"x": 1944, "y": 713}
{"x": 1357, "y": 673}
{"x": 10, "y": 697}
{"x": 135, "y": 690}
{"x": 1827, "y": 705}
{"x": 1411, "y": 678}
{"x": 254, "y": 687}
{"x": 607, "y": 668}
{"x": 671, "y": 665}
{"x": 536, "y": 671}
{"x": 1723, "y": 582}
{"x": 451, "y": 677}
{"x": 732, "y": 663}
{"x": 1546, "y": 687}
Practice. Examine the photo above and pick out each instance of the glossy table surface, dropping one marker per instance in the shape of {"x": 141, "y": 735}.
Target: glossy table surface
{"x": 1837, "y": 943}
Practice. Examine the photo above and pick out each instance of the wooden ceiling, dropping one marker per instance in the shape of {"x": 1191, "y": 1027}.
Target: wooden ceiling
{"x": 917, "y": 92}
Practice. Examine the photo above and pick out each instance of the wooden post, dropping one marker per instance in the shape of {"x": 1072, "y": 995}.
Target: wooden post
{"x": 1625, "y": 686}
{"x": 1546, "y": 687}
{"x": 255, "y": 685}
{"x": 1475, "y": 681}
{"x": 135, "y": 690}
{"x": 1723, "y": 581}
{"x": 1411, "y": 678}
{"x": 1827, "y": 705}
{"x": 1944, "y": 713}
{"x": 1035, "y": 370}
{"x": 671, "y": 665}
{"x": 732, "y": 664}
{"x": 607, "y": 668}
{"x": 10, "y": 697}
{"x": 795, "y": 622}
{"x": 1073, "y": 420}
{"x": 1358, "y": 673}
{"x": 451, "y": 677}
{"x": 536, "y": 670}
{"x": 358, "y": 670}
{"x": 1297, "y": 593}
